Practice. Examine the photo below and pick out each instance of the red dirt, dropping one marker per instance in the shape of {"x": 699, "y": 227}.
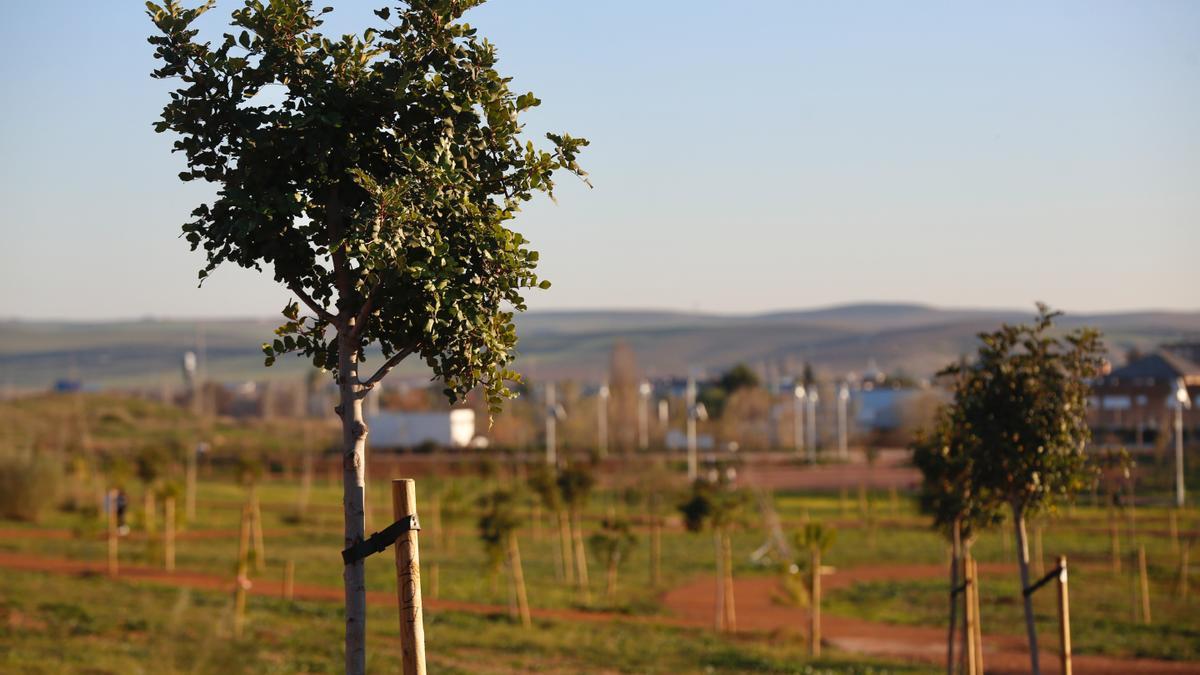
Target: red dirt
{"x": 757, "y": 611}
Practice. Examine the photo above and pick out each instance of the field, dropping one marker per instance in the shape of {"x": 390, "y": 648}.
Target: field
{"x": 885, "y": 609}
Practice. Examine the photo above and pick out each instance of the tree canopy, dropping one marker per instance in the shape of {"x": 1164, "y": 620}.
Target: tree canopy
{"x": 373, "y": 174}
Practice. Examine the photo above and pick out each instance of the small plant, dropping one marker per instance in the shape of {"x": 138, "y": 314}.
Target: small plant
{"x": 29, "y": 482}
{"x": 718, "y": 506}
{"x": 575, "y": 485}
{"x": 611, "y": 545}
{"x": 498, "y": 525}
{"x": 817, "y": 540}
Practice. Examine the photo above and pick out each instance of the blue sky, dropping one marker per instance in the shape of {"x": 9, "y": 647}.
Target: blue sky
{"x": 746, "y": 156}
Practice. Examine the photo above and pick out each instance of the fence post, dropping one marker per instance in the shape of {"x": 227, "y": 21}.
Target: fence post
{"x": 113, "y": 563}
{"x": 1064, "y": 616}
{"x": 408, "y": 581}
{"x": 169, "y": 533}
{"x": 1145, "y": 583}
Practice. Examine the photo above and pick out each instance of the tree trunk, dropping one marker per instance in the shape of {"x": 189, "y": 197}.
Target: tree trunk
{"x": 564, "y": 541}
{"x": 514, "y": 564}
{"x": 730, "y": 613}
{"x": 1023, "y": 565}
{"x": 260, "y": 550}
{"x": 169, "y": 534}
{"x": 814, "y": 627}
{"x": 581, "y": 570}
{"x": 955, "y": 556}
{"x": 719, "y": 554}
{"x": 354, "y": 444}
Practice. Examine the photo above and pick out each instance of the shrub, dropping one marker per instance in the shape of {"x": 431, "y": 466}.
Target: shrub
{"x": 29, "y": 482}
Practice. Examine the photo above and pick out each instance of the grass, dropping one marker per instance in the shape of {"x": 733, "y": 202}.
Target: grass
{"x": 56, "y": 624}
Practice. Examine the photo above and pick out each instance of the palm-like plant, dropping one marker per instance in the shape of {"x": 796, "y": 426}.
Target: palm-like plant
{"x": 611, "y": 545}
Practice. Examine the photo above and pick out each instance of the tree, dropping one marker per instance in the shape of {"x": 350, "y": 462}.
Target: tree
{"x": 611, "y": 545}
{"x": 719, "y": 506}
{"x": 376, "y": 187}
{"x": 543, "y": 481}
{"x": 1022, "y": 411}
{"x": 575, "y": 485}
{"x": 498, "y": 525}
{"x": 946, "y": 460}
{"x": 817, "y": 540}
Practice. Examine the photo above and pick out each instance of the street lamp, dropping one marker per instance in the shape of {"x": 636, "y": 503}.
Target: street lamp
{"x": 1182, "y": 400}
{"x": 602, "y": 419}
{"x": 798, "y": 418}
{"x": 554, "y": 412}
{"x": 695, "y": 412}
{"x": 644, "y": 391}
{"x": 813, "y": 399}
{"x": 843, "y": 399}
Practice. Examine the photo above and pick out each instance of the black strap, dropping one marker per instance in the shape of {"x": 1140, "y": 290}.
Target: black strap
{"x": 1050, "y": 576}
{"x": 380, "y": 540}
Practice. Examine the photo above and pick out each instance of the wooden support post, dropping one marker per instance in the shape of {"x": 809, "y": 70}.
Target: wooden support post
{"x": 730, "y": 611}
{"x": 169, "y": 533}
{"x": 1039, "y": 565}
{"x": 113, "y": 561}
{"x": 408, "y": 581}
{"x": 1144, "y": 583}
{"x": 289, "y": 580}
{"x": 1064, "y": 617}
{"x": 581, "y": 570}
{"x": 719, "y": 553}
{"x": 968, "y": 595}
{"x": 1173, "y": 528}
{"x": 514, "y": 563}
{"x": 242, "y": 583}
{"x": 1114, "y": 536}
{"x": 978, "y": 616}
{"x": 814, "y": 610}
{"x": 260, "y": 551}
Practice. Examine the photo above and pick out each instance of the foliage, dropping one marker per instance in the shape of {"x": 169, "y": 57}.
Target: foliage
{"x": 715, "y": 395}
{"x": 613, "y": 541}
{"x": 497, "y": 522}
{"x": 946, "y": 461}
{"x": 29, "y": 482}
{"x": 543, "y": 481}
{"x": 814, "y": 536}
{"x": 717, "y": 505}
{"x": 376, "y": 188}
{"x": 575, "y": 484}
{"x": 151, "y": 461}
{"x": 1021, "y": 407}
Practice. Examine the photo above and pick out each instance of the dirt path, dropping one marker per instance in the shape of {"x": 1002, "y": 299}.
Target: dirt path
{"x": 758, "y": 611}
{"x": 691, "y": 606}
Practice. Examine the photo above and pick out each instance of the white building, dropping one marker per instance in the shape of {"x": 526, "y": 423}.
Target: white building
{"x": 397, "y": 429}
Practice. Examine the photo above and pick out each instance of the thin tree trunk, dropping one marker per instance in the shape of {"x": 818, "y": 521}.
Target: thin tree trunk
{"x": 169, "y": 534}
{"x": 514, "y": 564}
{"x": 1023, "y": 565}
{"x": 955, "y": 556}
{"x": 719, "y": 554}
{"x": 814, "y": 627}
{"x": 260, "y": 550}
{"x": 655, "y": 552}
{"x": 581, "y": 570}
{"x": 730, "y": 613}
{"x": 354, "y": 444}
{"x": 564, "y": 540}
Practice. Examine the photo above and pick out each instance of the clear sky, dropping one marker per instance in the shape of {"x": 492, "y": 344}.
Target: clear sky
{"x": 746, "y": 156}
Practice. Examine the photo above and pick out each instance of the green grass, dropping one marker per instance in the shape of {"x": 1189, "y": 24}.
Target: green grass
{"x": 57, "y": 624}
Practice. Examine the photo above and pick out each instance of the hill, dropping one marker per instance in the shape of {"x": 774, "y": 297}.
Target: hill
{"x": 915, "y": 338}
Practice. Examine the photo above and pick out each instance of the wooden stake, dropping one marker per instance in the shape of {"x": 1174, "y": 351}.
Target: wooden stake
{"x": 1064, "y": 617}
{"x": 242, "y": 582}
{"x": 113, "y": 562}
{"x": 1114, "y": 536}
{"x": 260, "y": 551}
{"x": 564, "y": 539}
{"x": 408, "y": 581}
{"x": 978, "y": 616}
{"x": 289, "y": 580}
{"x": 581, "y": 570}
{"x": 730, "y": 612}
{"x": 169, "y": 533}
{"x": 514, "y": 564}
{"x": 968, "y": 593}
{"x": 719, "y": 554}
{"x": 814, "y": 610}
{"x": 1144, "y": 582}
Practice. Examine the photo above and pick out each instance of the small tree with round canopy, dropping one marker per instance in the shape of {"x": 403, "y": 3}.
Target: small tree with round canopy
{"x": 1021, "y": 411}
{"x": 376, "y": 184}
{"x": 720, "y": 507}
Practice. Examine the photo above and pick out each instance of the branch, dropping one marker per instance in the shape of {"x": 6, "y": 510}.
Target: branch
{"x": 322, "y": 313}
{"x": 386, "y": 368}
{"x": 360, "y": 321}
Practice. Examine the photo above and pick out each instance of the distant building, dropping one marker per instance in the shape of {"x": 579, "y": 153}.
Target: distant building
{"x": 1134, "y": 405}
{"x": 397, "y": 429}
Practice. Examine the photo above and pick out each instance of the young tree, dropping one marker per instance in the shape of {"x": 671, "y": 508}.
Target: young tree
{"x": 1022, "y": 409}
{"x": 543, "y": 481}
{"x": 719, "y": 506}
{"x": 376, "y": 183}
{"x": 575, "y": 485}
{"x": 817, "y": 540}
{"x": 612, "y": 544}
{"x": 945, "y": 459}
{"x": 498, "y": 525}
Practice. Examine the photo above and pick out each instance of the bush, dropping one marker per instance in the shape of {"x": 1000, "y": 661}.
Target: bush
{"x": 29, "y": 483}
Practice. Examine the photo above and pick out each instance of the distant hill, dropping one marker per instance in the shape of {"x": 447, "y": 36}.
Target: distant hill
{"x": 917, "y": 339}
